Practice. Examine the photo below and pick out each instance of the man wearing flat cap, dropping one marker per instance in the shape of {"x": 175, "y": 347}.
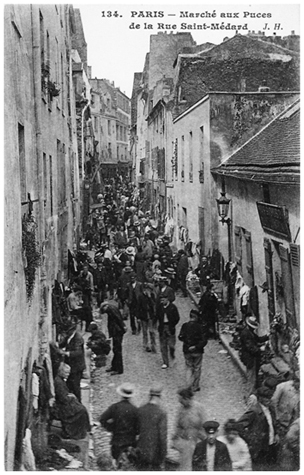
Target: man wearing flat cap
{"x": 250, "y": 352}
{"x": 121, "y": 418}
{"x": 152, "y": 442}
{"x": 211, "y": 455}
{"x": 257, "y": 428}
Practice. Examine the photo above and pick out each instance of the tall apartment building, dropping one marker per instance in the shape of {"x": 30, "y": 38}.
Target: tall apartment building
{"x": 42, "y": 197}
{"x": 111, "y": 114}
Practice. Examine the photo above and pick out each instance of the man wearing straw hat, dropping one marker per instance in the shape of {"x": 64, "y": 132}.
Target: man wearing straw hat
{"x": 122, "y": 419}
{"x": 251, "y": 350}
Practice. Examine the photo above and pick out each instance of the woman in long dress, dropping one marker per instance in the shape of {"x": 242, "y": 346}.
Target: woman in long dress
{"x": 73, "y": 415}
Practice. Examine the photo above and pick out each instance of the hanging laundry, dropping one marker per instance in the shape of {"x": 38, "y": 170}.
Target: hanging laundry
{"x": 35, "y": 390}
{"x": 28, "y": 460}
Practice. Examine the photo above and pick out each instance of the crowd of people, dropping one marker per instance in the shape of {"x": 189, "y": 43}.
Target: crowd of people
{"x": 134, "y": 277}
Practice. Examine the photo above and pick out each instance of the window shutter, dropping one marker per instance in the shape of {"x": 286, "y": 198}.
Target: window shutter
{"x": 238, "y": 245}
{"x": 295, "y": 255}
{"x": 249, "y": 263}
{"x": 287, "y": 286}
{"x": 269, "y": 278}
{"x": 295, "y": 271}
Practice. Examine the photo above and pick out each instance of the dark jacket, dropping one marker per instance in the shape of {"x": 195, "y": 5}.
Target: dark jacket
{"x": 254, "y": 429}
{"x": 222, "y": 460}
{"x": 182, "y": 266}
{"x": 167, "y": 292}
{"x": 146, "y": 307}
{"x": 116, "y": 325}
{"x": 152, "y": 442}
{"x": 191, "y": 334}
{"x": 172, "y": 315}
{"x": 250, "y": 349}
{"x": 133, "y": 295}
{"x": 76, "y": 348}
{"x": 98, "y": 343}
{"x": 99, "y": 278}
{"x": 122, "y": 420}
{"x": 123, "y": 285}
{"x": 208, "y": 305}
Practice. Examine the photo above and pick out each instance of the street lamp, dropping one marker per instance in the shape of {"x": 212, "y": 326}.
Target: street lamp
{"x": 223, "y": 209}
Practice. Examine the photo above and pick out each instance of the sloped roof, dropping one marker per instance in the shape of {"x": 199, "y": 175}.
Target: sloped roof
{"x": 272, "y": 155}
{"x": 247, "y": 47}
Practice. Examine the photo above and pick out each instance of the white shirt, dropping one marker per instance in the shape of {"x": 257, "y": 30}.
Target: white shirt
{"x": 70, "y": 337}
{"x": 239, "y": 453}
{"x": 210, "y": 452}
{"x": 244, "y": 295}
{"x": 165, "y": 315}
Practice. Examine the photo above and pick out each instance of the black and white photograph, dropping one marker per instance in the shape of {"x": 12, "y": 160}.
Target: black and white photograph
{"x": 151, "y": 238}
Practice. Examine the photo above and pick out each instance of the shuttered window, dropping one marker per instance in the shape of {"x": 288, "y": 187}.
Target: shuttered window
{"x": 249, "y": 262}
{"x": 269, "y": 278}
{"x": 295, "y": 271}
{"x": 287, "y": 286}
{"x": 238, "y": 245}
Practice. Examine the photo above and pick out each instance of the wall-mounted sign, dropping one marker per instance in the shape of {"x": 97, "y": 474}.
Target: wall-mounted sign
{"x": 274, "y": 220}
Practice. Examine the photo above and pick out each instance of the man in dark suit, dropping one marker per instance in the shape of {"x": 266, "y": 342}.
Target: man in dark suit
{"x": 250, "y": 352}
{"x": 164, "y": 291}
{"x": 168, "y": 317}
{"x": 194, "y": 341}
{"x": 73, "y": 345}
{"x": 211, "y": 455}
{"x": 116, "y": 331}
{"x": 134, "y": 291}
{"x": 152, "y": 442}
{"x": 122, "y": 419}
{"x": 257, "y": 427}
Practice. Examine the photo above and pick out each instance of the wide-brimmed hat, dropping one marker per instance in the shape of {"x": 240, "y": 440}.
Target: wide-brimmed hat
{"x": 170, "y": 271}
{"x": 130, "y": 250}
{"x": 126, "y": 390}
{"x": 156, "y": 390}
{"x": 252, "y": 322}
{"x": 128, "y": 269}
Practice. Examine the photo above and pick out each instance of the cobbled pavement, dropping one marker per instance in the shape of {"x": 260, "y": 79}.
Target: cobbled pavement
{"x": 222, "y": 392}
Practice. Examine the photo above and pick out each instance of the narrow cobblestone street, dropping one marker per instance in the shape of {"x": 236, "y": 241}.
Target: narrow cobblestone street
{"x": 222, "y": 386}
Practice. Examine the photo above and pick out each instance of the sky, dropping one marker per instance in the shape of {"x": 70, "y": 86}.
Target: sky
{"x": 118, "y": 35}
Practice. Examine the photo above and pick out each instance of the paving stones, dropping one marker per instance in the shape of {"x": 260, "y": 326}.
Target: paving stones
{"x": 222, "y": 386}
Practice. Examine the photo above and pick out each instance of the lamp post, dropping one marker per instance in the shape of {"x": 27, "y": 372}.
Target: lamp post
{"x": 223, "y": 209}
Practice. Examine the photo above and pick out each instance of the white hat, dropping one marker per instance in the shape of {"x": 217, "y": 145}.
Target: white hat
{"x": 126, "y": 390}
{"x": 252, "y": 322}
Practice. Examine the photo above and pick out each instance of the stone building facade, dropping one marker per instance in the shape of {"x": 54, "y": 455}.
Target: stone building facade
{"x": 111, "y": 113}
{"x": 219, "y": 98}
{"x": 262, "y": 181}
{"x": 42, "y": 196}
